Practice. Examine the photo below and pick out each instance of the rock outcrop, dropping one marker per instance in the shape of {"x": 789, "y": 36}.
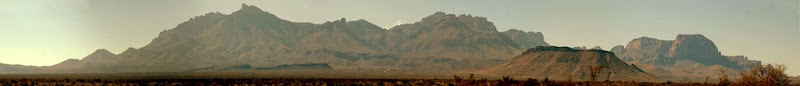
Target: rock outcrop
{"x": 693, "y": 46}
{"x": 526, "y": 39}
{"x": 688, "y": 55}
{"x": 619, "y": 49}
{"x": 647, "y": 50}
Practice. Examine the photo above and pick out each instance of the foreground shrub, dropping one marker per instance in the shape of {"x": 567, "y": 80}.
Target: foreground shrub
{"x": 768, "y": 75}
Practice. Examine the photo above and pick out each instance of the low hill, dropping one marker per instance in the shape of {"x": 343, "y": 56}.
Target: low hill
{"x": 562, "y": 62}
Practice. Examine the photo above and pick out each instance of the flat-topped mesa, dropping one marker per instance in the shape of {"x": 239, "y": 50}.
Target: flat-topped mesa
{"x": 647, "y": 43}
{"x": 557, "y": 48}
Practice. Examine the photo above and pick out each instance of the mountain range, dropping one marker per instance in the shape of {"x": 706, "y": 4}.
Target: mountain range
{"x": 252, "y": 39}
{"x": 689, "y": 55}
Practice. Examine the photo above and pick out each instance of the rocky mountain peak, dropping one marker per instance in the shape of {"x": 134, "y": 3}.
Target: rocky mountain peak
{"x": 101, "y": 51}
{"x": 619, "y": 49}
{"x": 253, "y": 14}
{"x": 342, "y": 20}
{"x": 648, "y": 44}
{"x": 249, "y": 8}
{"x": 526, "y": 39}
{"x": 473, "y": 23}
{"x": 67, "y": 62}
{"x": 596, "y": 48}
{"x": 694, "y": 53}
{"x": 99, "y": 54}
{"x": 693, "y": 45}
{"x": 129, "y": 50}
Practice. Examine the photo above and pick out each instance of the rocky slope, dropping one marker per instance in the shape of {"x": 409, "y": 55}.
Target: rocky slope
{"x": 562, "y": 62}
{"x": 251, "y": 39}
{"x": 689, "y": 55}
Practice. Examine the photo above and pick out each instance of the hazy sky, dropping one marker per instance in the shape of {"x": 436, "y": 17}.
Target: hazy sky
{"x": 45, "y": 32}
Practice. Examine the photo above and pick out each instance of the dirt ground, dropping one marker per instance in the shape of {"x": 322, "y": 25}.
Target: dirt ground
{"x": 294, "y": 78}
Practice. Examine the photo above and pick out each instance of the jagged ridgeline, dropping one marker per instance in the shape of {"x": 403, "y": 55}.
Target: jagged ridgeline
{"x": 252, "y": 39}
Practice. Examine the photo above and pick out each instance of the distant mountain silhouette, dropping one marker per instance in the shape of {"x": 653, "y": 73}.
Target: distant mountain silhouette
{"x": 560, "y": 63}
{"x": 18, "y": 69}
{"x": 526, "y": 39}
{"x": 689, "y": 55}
{"x": 250, "y": 38}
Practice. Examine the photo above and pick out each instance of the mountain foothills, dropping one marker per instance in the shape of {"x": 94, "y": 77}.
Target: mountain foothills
{"x": 252, "y": 39}
{"x": 690, "y": 56}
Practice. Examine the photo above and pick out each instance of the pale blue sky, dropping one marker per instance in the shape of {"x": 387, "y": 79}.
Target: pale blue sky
{"x": 45, "y": 32}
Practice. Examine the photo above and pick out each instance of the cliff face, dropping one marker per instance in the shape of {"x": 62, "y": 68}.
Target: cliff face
{"x": 526, "y": 39}
{"x": 251, "y": 38}
{"x": 648, "y": 50}
{"x": 688, "y": 55}
{"x": 619, "y": 49}
{"x": 559, "y": 63}
{"x": 693, "y": 46}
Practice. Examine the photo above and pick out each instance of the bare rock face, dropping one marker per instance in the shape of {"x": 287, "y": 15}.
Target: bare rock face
{"x": 688, "y": 55}
{"x": 526, "y": 39}
{"x": 619, "y": 49}
{"x": 561, "y": 62}
{"x": 693, "y": 46}
{"x": 647, "y": 50}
